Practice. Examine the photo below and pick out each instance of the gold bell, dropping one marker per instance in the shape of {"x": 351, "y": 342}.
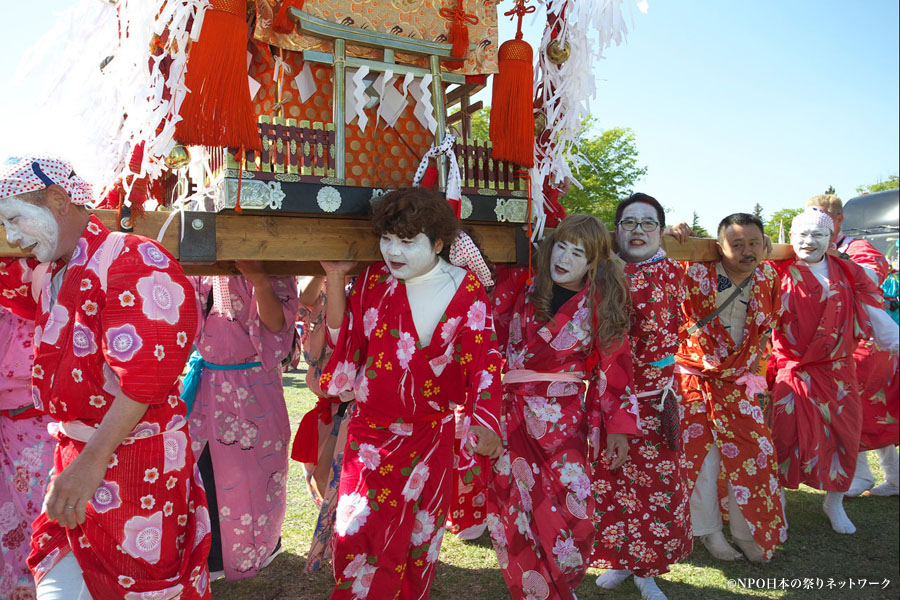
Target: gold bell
{"x": 178, "y": 158}
{"x": 558, "y": 53}
{"x": 540, "y": 123}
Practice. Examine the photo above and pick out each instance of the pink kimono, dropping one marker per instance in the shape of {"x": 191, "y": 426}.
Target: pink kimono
{"x": 26, "y": 456}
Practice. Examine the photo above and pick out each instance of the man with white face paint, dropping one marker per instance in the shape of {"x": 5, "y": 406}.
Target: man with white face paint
{"x": 415, "y": 348}
{"x": 114, "y": 318}
{"x": 655, "y": 466}
{"x": 731, "y": 306}
{"x": 829, "y": 305}
{"x": 876, "y": 370}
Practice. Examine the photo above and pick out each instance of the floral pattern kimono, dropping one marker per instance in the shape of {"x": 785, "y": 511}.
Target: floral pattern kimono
{"x": 147, "y": 525}
{"x": 817, "y": 415}
{"x": 643, "y": 516}
{"x": 876, "y": 369}
{"x": 540, "y": 508}
{"x": 26, "y": 456}
{"x": 397, "y": 475}
{"x": 241, "y": 416}
{"x": 720, "y": 395}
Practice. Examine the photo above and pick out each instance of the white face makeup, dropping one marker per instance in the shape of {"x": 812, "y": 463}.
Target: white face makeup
{"x": 408, "y": 258}
{"x": 568, "y": 265}
{"x": 638, "y": 245}
{"x": 30, "y": 227}
{"x": 810, "y": 242}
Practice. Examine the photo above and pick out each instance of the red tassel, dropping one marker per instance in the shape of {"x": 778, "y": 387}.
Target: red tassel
{"x": 512, "y": 112}
{"x": 283, "y": 23}
{"x": 218, "y": 110}
{"x": 459, "y": 37}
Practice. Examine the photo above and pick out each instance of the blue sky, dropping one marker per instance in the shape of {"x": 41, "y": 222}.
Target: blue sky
{"x": 732, "y": 103}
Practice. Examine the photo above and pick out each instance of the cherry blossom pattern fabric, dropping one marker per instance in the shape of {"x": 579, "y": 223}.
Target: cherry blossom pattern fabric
{"x": 643, "y": 515}
{"x": 147, "y": 527}
{"x": 397, "y": 472}
{"x": 26, "y": 456}
{"x": 720, "y": 396}
{"x": 468, "y": 511}
{"x": 540, "y": 506}
{"x": 241, "y": 414}
{"x": 876, "y": 369}
{"x": 23, "y": 174}
{"x": 817, "y": 417}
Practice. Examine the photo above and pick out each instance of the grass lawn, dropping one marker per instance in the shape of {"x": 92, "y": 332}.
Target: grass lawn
{"x": 469, "y": 570}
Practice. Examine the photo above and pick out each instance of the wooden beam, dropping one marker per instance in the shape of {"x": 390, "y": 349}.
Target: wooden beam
{"x": 293, "y": 245}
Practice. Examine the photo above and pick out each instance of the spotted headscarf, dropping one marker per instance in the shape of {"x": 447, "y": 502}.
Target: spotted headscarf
{"x": 23, "y": 174}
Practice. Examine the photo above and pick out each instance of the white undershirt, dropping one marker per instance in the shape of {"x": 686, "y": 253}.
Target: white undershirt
{"x": 429, "y": 296}
{"x": 734, "y": 316}
{"x": 885, "y": 330}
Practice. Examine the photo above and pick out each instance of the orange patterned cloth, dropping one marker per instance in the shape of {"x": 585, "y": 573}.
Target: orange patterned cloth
{"x": 418, "y": 19}
{"x": 721, "y": 405}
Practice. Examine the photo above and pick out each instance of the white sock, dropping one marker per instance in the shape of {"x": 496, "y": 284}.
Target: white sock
{"x": 834, "y": 509}
{"x": 649, "y": 589}
{"x": 719, "y": 547}
{"x": 890, "y": 462}
{"x": 862, "y": 477}
{"x": 612, "y": 578}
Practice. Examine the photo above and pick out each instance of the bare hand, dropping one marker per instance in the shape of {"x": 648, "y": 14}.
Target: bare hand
{"x": 680, "y": 232}
{"x": 251, "y": 269}
{"x": 616, "y": 449}
{"x": 489, "y": 443}
{"x": 337, "y": 268}
{"x": 69, "y": 491}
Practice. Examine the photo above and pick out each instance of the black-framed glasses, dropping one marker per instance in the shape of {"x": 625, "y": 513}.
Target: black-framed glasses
{"x": 631, "y": 224}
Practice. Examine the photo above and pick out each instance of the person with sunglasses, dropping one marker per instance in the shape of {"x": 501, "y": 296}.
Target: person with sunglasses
{"x": 643, "y": 521}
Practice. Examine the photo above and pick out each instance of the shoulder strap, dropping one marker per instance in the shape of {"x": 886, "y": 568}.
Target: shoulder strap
{"x": 702, "y": 322}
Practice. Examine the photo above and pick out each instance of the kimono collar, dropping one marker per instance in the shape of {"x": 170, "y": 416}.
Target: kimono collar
{"x": 658, "y": 256}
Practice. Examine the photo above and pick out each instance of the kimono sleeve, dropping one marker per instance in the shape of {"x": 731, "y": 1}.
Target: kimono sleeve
{"x": 863, "y": 253}
{"x": 339, "y": 375}
{"x": 610, "y": 402}
{"x": 148, "y": 321}
{"x": 15, "y": 286}
{"x": 272, "y": 346}
{"x": 483, "y": 388}
{"x": 510, "y": 280}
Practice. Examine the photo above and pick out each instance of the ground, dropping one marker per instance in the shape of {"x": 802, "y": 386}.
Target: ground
{"x": 836, "y": 565}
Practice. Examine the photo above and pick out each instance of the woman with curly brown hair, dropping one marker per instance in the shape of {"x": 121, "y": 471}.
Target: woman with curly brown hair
{"x": 567, "y": 381}
{"x": 416, "y": 341}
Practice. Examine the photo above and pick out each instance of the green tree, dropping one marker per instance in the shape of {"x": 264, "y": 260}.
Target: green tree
{"x": 697, "y": 229}
{"x": 893, "y": 182}
{"x": 758, "y": 211}
{"x": 830, "y": 190}
{"x": 481, "y": 124}
{"x": 785, "y": 217}
{"x": 610, "y": 172}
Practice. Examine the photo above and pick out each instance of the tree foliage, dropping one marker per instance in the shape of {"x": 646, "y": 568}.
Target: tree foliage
{"x": 698, "y": 230}
{"x": 893, "y": 182}
{"x": 784, "y": 216}
{"x": 609, "y": 174}
{"x": 830, "y": 190}
{"x": 610, "y": 171}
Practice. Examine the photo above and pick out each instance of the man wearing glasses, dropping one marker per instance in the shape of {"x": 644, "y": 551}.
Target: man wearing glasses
{"x": 652, "y": 481}
{"x": 731, "y": 307}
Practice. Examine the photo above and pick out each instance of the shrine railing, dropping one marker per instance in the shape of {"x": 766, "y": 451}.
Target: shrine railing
{"x": 302, "y": 148}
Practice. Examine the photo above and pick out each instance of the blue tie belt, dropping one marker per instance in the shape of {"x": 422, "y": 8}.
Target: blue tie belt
{"x": 196, "y": 364}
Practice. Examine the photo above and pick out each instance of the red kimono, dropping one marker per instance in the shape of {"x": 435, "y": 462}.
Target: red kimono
{"x": 817, "y": 415}
{"x": 397, "y": 475}
{"x": 540, "y": 508}
{"x": 876, "y": 369}
{"x": 147, "y": 524}
{"x": 643, "y": 517}
{"x": 720, "y": 394}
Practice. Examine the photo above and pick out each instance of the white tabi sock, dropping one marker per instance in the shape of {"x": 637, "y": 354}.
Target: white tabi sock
{"x": 649, "y": 589}
{"x": 612, "y": 578}
{"x": 862, "y": 477}
{"x": 719, "y": 547}
{"x": 834, "y": 509}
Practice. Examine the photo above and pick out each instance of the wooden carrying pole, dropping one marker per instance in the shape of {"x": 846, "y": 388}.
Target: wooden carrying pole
{"x": 294, "y": 245}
